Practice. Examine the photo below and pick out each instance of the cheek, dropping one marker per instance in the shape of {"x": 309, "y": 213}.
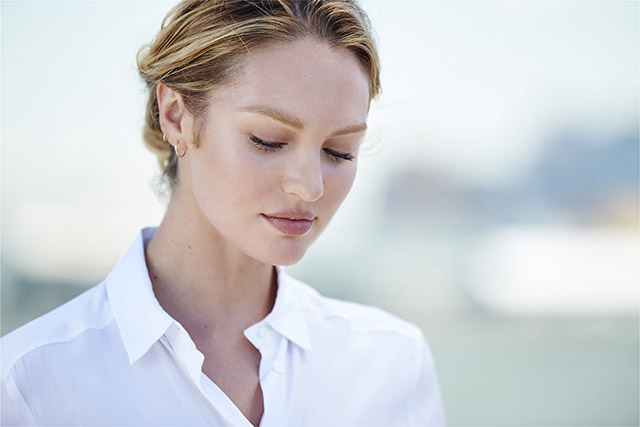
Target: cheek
{"x": 224, "y": 178}
{"x": 338, "y": 182}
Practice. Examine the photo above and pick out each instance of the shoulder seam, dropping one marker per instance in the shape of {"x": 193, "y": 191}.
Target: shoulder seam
{"x": 307, "y": 297}
{"x": 15, "y": 386}
{"x": 22, "y": 354}
{"x": 413, "y": 337}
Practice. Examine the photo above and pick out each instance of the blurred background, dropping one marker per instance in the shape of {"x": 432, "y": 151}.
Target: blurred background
{"x": 496, "y": 204}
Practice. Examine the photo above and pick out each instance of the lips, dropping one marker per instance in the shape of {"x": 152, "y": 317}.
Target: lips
{"x": 291, "y": 222}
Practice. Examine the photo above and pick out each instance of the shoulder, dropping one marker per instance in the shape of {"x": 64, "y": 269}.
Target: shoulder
{"x": 387, "y": 357}
{"x": 88, "y": 311}
{"x": 358, "y": 319}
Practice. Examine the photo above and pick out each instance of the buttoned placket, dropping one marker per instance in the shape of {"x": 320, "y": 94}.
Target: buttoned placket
{"x": 190, "y": 359}
{"x": 272, "y": 347}
{"x": 272, "y": 372}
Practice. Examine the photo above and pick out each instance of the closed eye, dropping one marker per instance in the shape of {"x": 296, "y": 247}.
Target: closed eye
{"x": 337, "y": 156}
{"x": 265, "y": 145}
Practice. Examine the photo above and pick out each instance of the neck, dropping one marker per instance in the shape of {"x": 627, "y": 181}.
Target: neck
{"x": 200, "y": 279}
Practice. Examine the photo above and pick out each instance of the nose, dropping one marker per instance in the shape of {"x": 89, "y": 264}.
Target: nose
{"x": 304, "y": 178}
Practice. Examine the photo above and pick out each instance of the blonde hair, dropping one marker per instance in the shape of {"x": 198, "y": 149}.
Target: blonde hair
{"x": 201, "y": 43}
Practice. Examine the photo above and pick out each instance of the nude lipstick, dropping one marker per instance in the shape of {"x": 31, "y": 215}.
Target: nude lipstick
{"x": 291, "y": 222}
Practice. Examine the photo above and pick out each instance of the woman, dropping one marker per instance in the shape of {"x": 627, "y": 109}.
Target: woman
{"x": 256, "y": 111}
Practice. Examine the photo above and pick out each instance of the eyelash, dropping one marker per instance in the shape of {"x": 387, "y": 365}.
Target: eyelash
{"x": 264, "y": 145}
{"x": 274, "y": 146}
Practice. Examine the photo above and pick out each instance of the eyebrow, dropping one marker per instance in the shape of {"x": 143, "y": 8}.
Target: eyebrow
{"x": 296, "y": 123}
{"x": 358, "y": 127}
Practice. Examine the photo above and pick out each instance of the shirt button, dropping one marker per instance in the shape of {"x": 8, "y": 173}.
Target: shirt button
{"x": 278, "y": 367}
{"x": 264, "y": 332}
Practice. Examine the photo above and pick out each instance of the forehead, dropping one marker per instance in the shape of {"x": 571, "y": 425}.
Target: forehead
{"x": 306, "y": 78}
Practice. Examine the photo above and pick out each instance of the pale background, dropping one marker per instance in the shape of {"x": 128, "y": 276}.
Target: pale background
{"x": 496, "y": 205}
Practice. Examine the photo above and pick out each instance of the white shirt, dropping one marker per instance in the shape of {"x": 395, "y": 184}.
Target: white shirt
{"x": 112, "y": 356}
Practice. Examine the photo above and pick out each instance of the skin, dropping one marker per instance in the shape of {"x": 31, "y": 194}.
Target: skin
{"x": 211, "y": 260}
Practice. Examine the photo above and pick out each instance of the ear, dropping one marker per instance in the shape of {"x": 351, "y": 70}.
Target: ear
{"x": 175, "y": 120}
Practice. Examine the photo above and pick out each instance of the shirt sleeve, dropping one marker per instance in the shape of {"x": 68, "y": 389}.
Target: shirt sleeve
{"x": 14, "y": 410}
{"x": 426, "y": 403}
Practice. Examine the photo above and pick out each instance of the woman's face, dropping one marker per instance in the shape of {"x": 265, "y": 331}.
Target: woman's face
{"x": 278, "y": 151}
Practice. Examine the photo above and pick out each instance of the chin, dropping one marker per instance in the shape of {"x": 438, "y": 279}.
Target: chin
{"x": 285, "y": 262}
{"x": 285, "y": 256}
{"x": 286, "y": 259}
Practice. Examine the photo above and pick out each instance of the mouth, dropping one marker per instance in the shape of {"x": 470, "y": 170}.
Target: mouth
{"x": 291, "y": 222}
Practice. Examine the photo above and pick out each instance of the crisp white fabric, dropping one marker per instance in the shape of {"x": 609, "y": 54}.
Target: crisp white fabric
{"x": 112, "y": 356}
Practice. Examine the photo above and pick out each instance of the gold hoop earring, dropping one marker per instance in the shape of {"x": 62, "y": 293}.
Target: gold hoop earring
{"x": 164, "y": 137}
{"x": 178, "y": 153}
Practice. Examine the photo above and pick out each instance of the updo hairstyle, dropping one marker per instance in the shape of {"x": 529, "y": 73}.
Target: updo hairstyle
{"x": 201, "y": 44}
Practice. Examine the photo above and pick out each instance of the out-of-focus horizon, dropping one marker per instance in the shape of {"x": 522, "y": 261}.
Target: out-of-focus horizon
{"x": 496, "y": 203}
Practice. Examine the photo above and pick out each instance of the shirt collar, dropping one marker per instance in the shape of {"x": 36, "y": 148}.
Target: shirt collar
{"x": 287, "y": 317}
{"x": 140, "y": 318}
{"x": 142, "y": 321}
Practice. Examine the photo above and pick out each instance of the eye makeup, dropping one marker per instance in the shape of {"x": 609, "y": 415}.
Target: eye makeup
{"x": 337, "y": 156}
{"x": 271, "y": 147}
{"x": 265, "y": 145}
